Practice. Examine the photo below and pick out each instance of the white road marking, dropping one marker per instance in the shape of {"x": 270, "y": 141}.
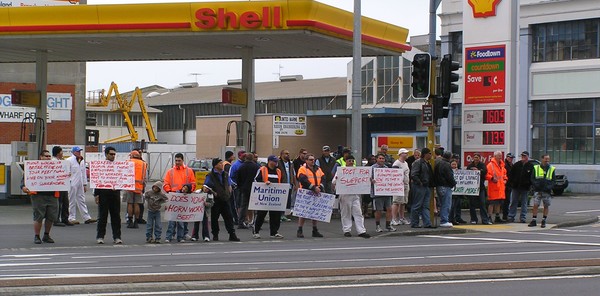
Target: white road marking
{"x": 347, "y": 286}
{"x": 43, "y": 263}
{"x": 528, "y": 241}
{"x": 579, "y": 212}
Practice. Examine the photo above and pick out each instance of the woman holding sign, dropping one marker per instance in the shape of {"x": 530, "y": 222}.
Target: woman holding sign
{"x": 268, "y": 174}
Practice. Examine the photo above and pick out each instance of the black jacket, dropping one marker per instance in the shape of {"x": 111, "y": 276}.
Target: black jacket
{"x": 422, "y": 173}
{"x": 444, "y": 176}
{"x": 246, "y": 174}
{"x": 519, "y": 176}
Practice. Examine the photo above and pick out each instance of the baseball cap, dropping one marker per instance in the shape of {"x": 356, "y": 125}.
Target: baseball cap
{"x": 510, "y": 155}
{"x": 326, "y": 148}
{"x": 273, "y": 158}
{"x": 216, "y": 161}
{"x": 524, "y": 153}
{"x": 402, "y": 150}
{"x": 241, "y": 153}
{"x": 76, "y": 149}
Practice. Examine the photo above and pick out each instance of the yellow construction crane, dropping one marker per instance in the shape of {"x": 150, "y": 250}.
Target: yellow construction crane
{"x": 125, "y": 107}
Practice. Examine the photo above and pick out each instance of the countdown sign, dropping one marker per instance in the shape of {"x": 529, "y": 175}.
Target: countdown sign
{"x": 485, "y": 74}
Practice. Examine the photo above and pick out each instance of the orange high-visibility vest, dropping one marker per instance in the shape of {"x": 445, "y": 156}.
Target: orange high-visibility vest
{"x": 265, "y": 174}
{"x": 140, "y": 174}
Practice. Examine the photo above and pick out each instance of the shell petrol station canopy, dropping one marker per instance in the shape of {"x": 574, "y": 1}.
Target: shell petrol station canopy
{"x": 189, "y": 31}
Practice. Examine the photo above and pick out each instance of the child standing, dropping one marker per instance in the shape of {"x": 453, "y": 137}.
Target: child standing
{"x": 155, "y": 198}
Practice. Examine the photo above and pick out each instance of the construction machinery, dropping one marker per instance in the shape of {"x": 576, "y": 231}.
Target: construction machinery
{"x": 124, "y": 106}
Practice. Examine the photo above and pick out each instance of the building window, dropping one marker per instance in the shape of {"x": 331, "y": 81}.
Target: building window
{"x": 367, "y": 83}
{"x": 567, "y": 130}
{"x": 102, "y": 119}
{"x": 388, "y": 79}
{"x": 564, "y": 41}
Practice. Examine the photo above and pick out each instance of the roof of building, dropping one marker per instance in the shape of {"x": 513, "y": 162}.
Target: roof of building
{"x": 309, "y": 88}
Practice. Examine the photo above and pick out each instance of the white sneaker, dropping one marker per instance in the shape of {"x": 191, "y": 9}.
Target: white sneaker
{"x": 100, "y": 241}
{"x": 167, "y": 240}
{"x": 194, "y": 239}
{"x": 447, "y": 224}
{"x": 118, "y": 241}
{"x": 256, "y": 235}
{"x": 206, "y": 239}
{"x": 188, "y": 237}
{"x": 405, "y": 221}
{"x": 394, "y": 223}
{"x": 390, "y": 228}
{"x": 277, "y": 236}
{"x": 378, "y": 228}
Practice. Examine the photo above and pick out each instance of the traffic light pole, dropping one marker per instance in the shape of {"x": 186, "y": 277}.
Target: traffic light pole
{"x": 433, "y": 5}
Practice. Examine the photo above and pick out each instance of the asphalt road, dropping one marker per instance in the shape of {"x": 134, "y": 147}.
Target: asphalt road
{"x": 460, "y": 263}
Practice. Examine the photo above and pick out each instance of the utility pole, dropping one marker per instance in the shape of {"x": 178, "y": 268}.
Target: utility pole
{"x": 433, "y": 5}
{"x": 356, "y": 132}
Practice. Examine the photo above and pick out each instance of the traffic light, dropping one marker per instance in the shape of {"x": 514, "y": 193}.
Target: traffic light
{"x": 421, "y": 75}
{"x": 447, "y": 67}
{"x": 440, "y": 107}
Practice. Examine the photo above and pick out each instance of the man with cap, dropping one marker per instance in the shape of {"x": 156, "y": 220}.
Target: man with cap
{"x": 519, "y": 180}
{"x": 268, "y": 174}
{"x": 399, "y": 202}
{"x": 78, "y": 187}
{"x": 326, "y": 162}
{"x": 217, "y": 182}
{"x": 508, "y": 164}
{"x": 342, "y": 160}
{"x": 421, "y": 176}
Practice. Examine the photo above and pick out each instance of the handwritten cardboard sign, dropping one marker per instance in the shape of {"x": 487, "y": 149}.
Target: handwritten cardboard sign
{"x": 314, "y": 206}
{"x": 47, "y": 175}
{"x": 105, "y": 174}
{"x": 388, "y": 182}
{"x": 184, "y": 207}
{"x": 353, "y": 180}
{"x": 467, "y": 182}
{"x": 272, "y": 197}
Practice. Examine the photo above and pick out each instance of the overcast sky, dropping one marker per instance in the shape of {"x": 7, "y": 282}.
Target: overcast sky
{"x": 410, "y": 14}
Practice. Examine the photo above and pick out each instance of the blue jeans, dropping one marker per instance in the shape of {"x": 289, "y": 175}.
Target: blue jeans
{"x": 420, "y": 205}
{"x": 445, "y": 199}
{"x": 154, "y": 223}
{"x": 516, "y": 196}
{"x": 473, "y": 201}
{"x": 180, "y": 227}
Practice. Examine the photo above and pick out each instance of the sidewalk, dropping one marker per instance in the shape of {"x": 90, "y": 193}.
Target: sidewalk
{"x": 16, "y": 227}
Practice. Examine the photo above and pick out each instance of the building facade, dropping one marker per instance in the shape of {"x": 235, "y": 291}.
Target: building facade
{"x": 558, "y": 96}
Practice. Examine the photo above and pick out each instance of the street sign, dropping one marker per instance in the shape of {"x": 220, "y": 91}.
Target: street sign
{"x": 427, "y": 115}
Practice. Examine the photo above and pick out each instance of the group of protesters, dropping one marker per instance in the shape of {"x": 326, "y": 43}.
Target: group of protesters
{"x": 229, "y": 182}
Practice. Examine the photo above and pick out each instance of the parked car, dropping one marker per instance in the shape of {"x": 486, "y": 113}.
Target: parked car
{"x": 201, "y": 168}
{"x": 561, "y": 181}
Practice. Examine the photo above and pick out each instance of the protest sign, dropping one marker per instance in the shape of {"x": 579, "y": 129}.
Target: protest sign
{"x": 467, "y": 182}
{"x": 353, "y": 180}
{"x": 314, "y": 206}
{"x": 388, "y": 182}
{"x": 272, "y": 197}
{"x": 47, "y": 175}
{"x": 184, "y": 207}
{"x": 106, "y": 174}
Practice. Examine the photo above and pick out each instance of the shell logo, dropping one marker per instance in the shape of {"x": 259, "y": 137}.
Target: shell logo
{"x": 299, "y": 132}
{"x": 483, "y": 8}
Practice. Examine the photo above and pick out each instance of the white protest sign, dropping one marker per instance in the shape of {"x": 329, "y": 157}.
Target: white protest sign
{"x": 388, "y": 182}
{"x": 184, "y": 207}
{"x": 272, "y": 197}
{"x": 106, "y": 174}
{"x": 353, "y": 180}
{"x": 47, "y": 175}
{"x": 467, "y": 182}
{"x": 314, "y": 206}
